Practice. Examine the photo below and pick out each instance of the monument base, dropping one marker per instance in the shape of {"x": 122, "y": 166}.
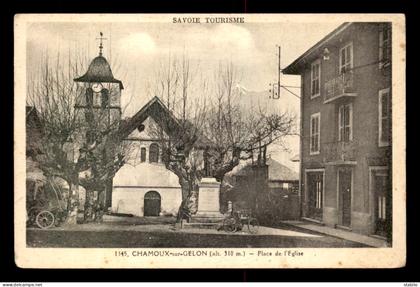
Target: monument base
{"x": 208, "y": 211}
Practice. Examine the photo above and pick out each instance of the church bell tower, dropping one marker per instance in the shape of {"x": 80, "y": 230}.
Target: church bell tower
{"x": 101, "y": 92}
{"x": 99, "y": 103}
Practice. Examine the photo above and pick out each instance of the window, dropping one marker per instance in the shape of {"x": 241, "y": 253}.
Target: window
{"x": 90, "y": 137}
{"x": 141, "y": 128}
{"x": 315, "y": 133}
{"x": 346, "y": 58}
{"x": 89, "y": 116}
{"x": 384, "y": 45}
{"x": 97, "y": 98}
{"x": 154, "y": 152}
{"x": 345, "y": 119}
{"x": 89, "y": 97}
{"x": 143, "y": 154}
{"x": 315, "y": 79}
{"x": 384, "y": 117}
{"x": 104, "y": 98}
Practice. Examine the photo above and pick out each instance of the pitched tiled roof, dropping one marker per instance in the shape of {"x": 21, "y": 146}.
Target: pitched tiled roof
{"x": 155, "y": 109}
{"x": 294, "y": 68}
{"x": 278, "y": 171}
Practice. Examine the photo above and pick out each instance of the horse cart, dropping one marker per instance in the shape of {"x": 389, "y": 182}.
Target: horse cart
{"x": 45, "y": 202}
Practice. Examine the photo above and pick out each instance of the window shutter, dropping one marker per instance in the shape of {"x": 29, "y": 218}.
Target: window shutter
{"x": 143, "y": 154}
{"x": 89, "y": 97}
{"x": 381, "y": 44}
{"x": 153, "y": 153}
{"x": 317, "y": 133}
{"x": 312, "y": 134}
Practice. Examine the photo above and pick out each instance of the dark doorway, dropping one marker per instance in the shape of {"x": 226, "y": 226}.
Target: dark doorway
{"x": 344, "y": 186}
{"x": 382, "y": 193}
{"x": 152, "y": 203}
{"x": 315, "y": 184}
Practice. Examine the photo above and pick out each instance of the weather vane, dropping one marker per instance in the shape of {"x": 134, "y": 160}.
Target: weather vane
{"x": 100, "y": 43}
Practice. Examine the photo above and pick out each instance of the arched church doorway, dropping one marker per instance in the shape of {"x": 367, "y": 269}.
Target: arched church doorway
{"x": 152, "y": 203}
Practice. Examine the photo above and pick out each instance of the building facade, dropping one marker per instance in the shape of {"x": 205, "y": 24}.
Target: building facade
{"x": 346, "y": 142}
{"x": 144, "y": 186}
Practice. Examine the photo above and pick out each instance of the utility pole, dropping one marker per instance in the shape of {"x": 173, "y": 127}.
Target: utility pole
{"x": 278, "y": 82}
{"x": 275, "y": 87}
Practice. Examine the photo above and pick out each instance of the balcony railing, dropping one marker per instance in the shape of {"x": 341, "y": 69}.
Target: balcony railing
{"x": 340, "y": 86}
{"x": 339, "y": 152}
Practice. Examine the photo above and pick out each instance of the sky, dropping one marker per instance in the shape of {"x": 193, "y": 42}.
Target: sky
{"x": 136, "y": 49}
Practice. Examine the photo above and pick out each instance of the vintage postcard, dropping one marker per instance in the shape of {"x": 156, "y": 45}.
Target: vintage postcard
{"x": 210, "y": 141}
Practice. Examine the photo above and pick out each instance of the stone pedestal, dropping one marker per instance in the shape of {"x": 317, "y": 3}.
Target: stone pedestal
{"x": 208, "y": 200}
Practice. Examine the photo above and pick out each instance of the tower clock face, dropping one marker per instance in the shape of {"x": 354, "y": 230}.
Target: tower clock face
{"x": 97, "y": 87}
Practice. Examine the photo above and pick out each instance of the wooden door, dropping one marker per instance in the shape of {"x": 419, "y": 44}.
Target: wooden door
{"x": 344, "y": 185}
{"x": 152, "y": 202}
{"x": 315, "y": 186}
{"x": 382, "y": 204}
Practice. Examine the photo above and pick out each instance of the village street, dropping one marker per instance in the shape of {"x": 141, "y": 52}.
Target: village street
{"x": 217, "y": 153}
{"x": 163, "y": 234}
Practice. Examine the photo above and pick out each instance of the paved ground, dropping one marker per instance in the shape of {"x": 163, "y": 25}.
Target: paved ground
{"x": 347, "y": 235}
{"x": 161, "y": 233}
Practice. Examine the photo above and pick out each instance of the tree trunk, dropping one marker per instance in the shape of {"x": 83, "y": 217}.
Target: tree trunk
{"x": 189, "y": 202}
{"x": 100, "y": 206}
{"x": 73, "y": 204}
{"x": 89, "y": 208}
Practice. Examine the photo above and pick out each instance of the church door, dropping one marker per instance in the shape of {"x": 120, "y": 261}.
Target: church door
{"x": 152, "y": 203}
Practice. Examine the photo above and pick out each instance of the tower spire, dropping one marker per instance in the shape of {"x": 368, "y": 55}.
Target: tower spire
{"x": 101, "y": 46}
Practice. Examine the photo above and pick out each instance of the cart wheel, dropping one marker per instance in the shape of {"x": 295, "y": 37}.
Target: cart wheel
{"x": 253, "y": 225}
{"x": 45, "y": 219}
{"x": 229, "y": 224}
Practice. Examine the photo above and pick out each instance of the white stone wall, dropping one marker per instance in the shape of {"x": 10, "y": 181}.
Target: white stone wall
{"x": 136, "y": 178}
{"x": 131, "y": 183}
{"x": 131, "y": 200}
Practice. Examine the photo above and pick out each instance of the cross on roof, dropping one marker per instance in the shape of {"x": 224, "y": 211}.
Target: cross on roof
{"x": 100, "y": 43}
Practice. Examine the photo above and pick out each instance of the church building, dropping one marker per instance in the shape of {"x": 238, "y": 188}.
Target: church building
{"x": 143, "y": 186}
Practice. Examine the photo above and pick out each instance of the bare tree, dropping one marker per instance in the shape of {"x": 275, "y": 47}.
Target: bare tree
{"x": 81, "y": 146}
{"x": 179, "y": 128}
{"x": 238, "y": 134}
{"x": 54, "y": 95}
{"x": 209, "y": 138}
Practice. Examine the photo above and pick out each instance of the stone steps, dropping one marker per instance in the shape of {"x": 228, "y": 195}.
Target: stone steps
{"x": 206, "y": 219}
{"x": 202, "y": 225}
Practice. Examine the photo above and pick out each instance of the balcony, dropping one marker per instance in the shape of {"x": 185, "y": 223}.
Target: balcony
{"x": 339, "y": 153}
{"x": 338, "y": 87}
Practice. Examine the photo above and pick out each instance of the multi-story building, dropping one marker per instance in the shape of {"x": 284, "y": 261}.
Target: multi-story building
{"x": 346, "y": 142}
